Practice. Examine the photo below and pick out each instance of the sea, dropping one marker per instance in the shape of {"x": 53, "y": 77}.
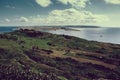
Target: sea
{"x": 7, "y": 29}
{"x": 107, "y": 35}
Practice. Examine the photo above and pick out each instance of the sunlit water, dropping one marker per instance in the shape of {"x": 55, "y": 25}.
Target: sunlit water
{"x": 109, "y": 35}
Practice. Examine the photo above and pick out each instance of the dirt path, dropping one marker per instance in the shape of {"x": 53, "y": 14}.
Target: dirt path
{"x": 110, "y": 66}
{"x": 87, "y": 53}
{"x": 83, "y": 60}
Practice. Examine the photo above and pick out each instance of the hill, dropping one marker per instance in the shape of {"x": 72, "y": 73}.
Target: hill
{"x": 33, "y": 55}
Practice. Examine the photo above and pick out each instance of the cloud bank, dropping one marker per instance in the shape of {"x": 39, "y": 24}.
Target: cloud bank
{"x": 69, "y": 16}
{"x": 117, "y": 2}
{"x": 74, "y": 16}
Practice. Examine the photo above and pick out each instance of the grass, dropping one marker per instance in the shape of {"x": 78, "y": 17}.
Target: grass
{"x": 10, "y": 46}
{"x": 29, "y": 42}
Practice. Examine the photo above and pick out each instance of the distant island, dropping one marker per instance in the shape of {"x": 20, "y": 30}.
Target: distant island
{"x": 68, "y": 27}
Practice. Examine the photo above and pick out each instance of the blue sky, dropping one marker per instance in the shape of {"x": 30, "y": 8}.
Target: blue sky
{"x": 60, "y": 12}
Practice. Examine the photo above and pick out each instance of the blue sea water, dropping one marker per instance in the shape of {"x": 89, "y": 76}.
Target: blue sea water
{"x": 7, "y": 29}
{"x": 109, "y": 35}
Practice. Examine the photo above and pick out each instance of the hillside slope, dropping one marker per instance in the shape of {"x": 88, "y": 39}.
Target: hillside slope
{"x": 33, "y": 55}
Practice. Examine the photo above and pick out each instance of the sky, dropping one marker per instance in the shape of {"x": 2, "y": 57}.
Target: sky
{"x": 105, "y": 13}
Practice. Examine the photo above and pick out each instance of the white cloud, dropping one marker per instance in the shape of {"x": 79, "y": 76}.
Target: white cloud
{"x": 75, "y": 3}
{"x": 74, "y": 16}
{"x": 6, "y": 20}
{"x": 113, "y": 1}
{"x": 23, "y": 19}
{"x": 70, "y": 16}
{"x": 43, "y": 3}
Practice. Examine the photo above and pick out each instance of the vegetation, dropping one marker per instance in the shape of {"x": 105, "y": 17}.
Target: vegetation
{"x": 33, "y": 55}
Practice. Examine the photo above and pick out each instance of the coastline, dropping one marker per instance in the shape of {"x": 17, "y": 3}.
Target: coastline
{"x": 50, "y": 56}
